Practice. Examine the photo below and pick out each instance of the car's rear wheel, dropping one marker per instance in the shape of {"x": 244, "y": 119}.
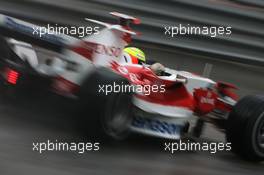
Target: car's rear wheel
{"x": 104, "y": 116}
{"x": 117, "y": 116}
{"x": 245, "y": 128}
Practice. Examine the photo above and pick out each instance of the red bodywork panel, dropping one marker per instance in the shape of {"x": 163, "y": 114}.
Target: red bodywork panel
{"x": 201, "y": 102}
{"x": 175, "y": 93}
{"x": 205, "y": 101}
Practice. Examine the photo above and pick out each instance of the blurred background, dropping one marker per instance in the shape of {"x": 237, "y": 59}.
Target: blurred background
{"x": 236, "y": 59}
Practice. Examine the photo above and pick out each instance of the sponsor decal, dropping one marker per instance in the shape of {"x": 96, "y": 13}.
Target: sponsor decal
{"x": 122, "y": 70}
{"x": 208, "y": 99}
{"x": 156, "y": 125}
{"x": 108, "y": 50}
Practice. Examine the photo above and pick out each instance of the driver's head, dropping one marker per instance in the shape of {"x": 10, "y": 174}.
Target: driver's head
{"x": 133, "y": 55}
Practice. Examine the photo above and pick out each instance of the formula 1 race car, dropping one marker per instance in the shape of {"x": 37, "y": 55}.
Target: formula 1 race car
{"x": 125, "y": 98}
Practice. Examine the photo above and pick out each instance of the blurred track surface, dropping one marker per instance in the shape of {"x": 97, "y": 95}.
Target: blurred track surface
{"x": 37, "y": 120}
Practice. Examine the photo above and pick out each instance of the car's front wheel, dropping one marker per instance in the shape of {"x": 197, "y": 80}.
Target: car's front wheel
{"x": 245, "y": 128}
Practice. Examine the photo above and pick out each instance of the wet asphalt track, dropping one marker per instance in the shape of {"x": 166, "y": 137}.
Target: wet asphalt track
{"x": 31, "y": 120}
{"x": 42, "y": 117}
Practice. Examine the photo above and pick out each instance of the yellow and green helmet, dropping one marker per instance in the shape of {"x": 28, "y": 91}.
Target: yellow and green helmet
{"x": 137, "y": 56}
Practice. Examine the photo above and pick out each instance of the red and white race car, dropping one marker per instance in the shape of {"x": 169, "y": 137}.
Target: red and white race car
{"x": 124, "y": 98}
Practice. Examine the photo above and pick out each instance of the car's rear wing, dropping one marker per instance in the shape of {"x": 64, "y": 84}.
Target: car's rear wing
{"x": 127, "y": 18}
{"x": 108, "y": 44}
{"x": 123, "y": 25}
{"x": 20, "y": 30}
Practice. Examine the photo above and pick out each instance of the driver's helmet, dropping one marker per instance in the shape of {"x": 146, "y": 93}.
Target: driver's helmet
{"x": 133, "y": 55}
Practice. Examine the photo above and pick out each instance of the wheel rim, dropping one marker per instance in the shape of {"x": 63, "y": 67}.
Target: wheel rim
{"x": 261, "y": 134}
{"x": 117, "y": 119}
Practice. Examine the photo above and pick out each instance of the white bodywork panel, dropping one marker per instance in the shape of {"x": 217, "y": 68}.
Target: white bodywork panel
{"x": 169, "y": 111}
{"x": 108, "y": 47}
{"x": 193, "y": 81}
{"x": 25, "y": 51}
